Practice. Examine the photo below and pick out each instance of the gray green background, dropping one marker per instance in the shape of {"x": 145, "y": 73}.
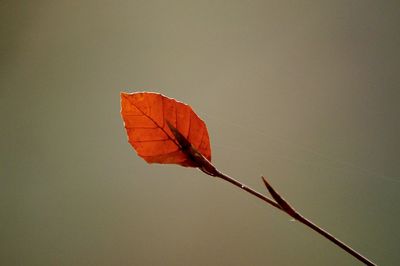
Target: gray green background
{"x": 303, "y": 92}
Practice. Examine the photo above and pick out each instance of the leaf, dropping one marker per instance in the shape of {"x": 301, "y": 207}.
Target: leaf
{"x": 146, "y": 117}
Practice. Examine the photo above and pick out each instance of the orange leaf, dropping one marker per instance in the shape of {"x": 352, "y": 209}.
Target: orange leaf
{"x": 146, "y": 116}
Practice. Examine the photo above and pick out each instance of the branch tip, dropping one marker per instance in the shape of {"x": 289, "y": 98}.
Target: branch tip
{"x": 285, "y": 206}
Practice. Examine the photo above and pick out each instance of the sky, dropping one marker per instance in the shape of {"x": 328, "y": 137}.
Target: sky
{"x": 305, "y": 93}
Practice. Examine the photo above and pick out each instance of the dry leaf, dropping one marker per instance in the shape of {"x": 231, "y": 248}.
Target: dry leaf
{"x": 146, "y": 116}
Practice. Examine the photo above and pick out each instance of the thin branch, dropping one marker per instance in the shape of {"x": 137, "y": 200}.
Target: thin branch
{"x": 281, "y": 204}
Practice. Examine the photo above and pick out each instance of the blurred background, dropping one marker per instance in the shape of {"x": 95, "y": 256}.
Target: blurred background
{"x": 303, "y": 92}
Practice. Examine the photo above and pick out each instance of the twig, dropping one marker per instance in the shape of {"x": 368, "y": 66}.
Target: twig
{"x": 207, "y": 167}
